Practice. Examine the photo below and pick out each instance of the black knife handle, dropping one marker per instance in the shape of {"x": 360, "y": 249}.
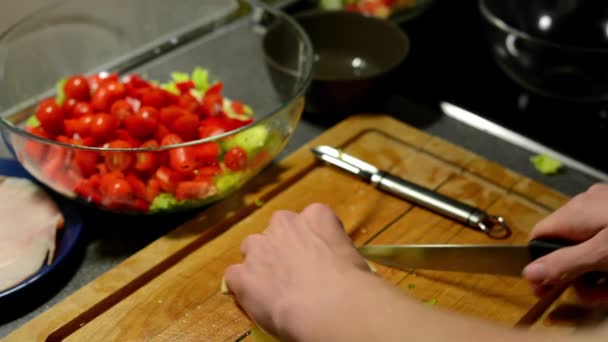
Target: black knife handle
{"x": 543, "y": 246}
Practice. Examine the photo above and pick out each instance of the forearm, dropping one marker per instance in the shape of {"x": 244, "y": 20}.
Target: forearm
{"x": 384, "y": 313}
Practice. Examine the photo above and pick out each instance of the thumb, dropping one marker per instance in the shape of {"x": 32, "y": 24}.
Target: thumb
{"x": 562, "y": 265}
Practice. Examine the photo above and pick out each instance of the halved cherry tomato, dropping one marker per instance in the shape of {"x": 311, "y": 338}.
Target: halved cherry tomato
{"x": 118, "y": 161}
{"x": 54, "y": 162}
{"x": 181, "y": 159}
{"x": 139, "y": 204}
{"x": 117, "y": 192}
{"x": 85, "y": 162}
{"x": 161, "y": 132}
{"x": 153, "y": 97}
{"x": 147, "y": 161}
{"x": 208, "y": 171}
{"x": 51, "y": 117}
{"x": 143, "y": 124}
{"x": 101, "y": 100}
{"x": 194, "y": 190}
{"x": 167, "y": 178}
{"x": 81, "y": 109}
{"x": 120, "y": 110}
{"x": 77, "y": 87}
{"x": 186, "y": 126}
{"x": 116, "y": 90}
{"x": 103, "y": 126}
{"x": 189, "y": 103}
{"x": 123, "y": 134}
{"x": 80, "y": 126}
{"x": 210, "y": 131}
{"x": 170, "y": 114}
{"x": 207, "y": 152}
{"x": 184, "y": 87}
{"x": 236, "y": 159}
{"x": 212, "y": 104}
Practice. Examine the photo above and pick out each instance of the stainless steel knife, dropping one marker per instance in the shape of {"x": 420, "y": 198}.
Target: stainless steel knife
{"x": 473, "y": 217}
{"x": 509, "y": 260}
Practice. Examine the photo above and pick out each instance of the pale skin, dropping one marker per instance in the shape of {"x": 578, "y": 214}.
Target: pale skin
{"x": 302, "y": 280}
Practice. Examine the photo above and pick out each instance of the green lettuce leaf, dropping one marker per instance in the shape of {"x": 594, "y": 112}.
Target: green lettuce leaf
{"x": 32, "y": 122}
{"x": 200, "y": 77}
{"x": 546, "y": 164}
{"x": 180, "y": 76}
{"x": 166, "y": 202}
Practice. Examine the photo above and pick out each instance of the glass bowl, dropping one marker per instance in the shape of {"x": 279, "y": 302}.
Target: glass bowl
{"x": 557, "y": 49}
{"x": 160, "y": 41}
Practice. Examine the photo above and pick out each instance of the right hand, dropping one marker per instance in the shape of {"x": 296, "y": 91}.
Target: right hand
{"x": 584, "y": 220}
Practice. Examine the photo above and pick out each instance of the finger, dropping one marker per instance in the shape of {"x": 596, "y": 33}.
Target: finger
{"x": 281, "y": 219}
{"x": 569, "y": 263}
{"x": 252, "y": 242}
{"x": 579, "y": 219}
{"x": 233, "y": 277}
{"x": 326, "y": 224}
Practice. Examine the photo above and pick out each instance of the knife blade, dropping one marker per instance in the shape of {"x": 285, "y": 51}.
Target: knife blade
{"x": 509, "y": 260}
{"x": 494, "y": 226}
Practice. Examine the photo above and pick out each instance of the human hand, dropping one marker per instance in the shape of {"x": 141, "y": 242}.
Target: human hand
{"x": 583, "y": 220}
{"x": 302, "y": 265}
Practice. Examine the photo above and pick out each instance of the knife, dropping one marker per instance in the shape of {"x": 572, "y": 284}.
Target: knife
{"x": 508, "y": 260}
{"x": 494, "y": 226}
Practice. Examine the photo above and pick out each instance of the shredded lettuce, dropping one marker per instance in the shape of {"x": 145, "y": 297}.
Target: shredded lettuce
{"x": 180, "y": 76}
{"x": 200, "y": 77}
{"x": 546, "y": 164}
{"x": 260, "y": 335}
{"x": 229, "y": 111}
{"x": 251, "y": 140}
{"x": 331, "y": 5}
{"x": 229, "y": 181}
{"x": 60, "y": 98}
{"x": 32, "y": 122}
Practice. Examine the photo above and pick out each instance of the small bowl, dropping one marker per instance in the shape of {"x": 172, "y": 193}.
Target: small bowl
{"x": 355, "y": 57}
{"x": 66, "y": 39}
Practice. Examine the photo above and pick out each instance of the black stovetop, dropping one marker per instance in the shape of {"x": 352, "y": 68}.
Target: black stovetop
{"x": 451, "y": 61}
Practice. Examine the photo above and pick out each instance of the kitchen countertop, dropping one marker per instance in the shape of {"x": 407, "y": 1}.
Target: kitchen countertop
{"x": 108, "y": 240}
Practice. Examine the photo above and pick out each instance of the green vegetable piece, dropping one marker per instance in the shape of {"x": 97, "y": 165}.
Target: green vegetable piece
{"x": 546, "y": 164}
{"x": 260, "y": 335}
{"x": 431, "y": 301}
{"x": 180, "y": 77}
{"x": 166, "y": 202}
{"x": 411, "y": 286}
{"x": 170, "y": 87}
{"x": 228, "y": 181}
{"x": 60, "y": 98}
{"x": 251, "y": 140}
{"x": 331, "y": 5}
{"x": 259, "y": 203}
{"x": 200, "y": 77}
{"x": 32, "y": 122}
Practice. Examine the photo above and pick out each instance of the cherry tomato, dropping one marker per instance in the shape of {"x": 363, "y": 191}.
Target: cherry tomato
{"x": 123, "y": 134}
{"x": 209, "y": 171}
{"x": 147, "y": 161}
{"x": 207, "y": 152}
{"x": 83, "y": 125}
{"x": 186, "y": 126}
{"x": 117, "y": 192}
{"x": 77, "y": 87}
{"x": 120, "y": 110}
{"x": 101, "y": 99}
{"x": 143, "y": 124}
{"x": 139, "y": 204}
{"x": 152, "y": 189}
{"x": 194, "y": 190}
{"x": 189, "y": 103}
{"x": 167, "y": 178}
{"x": 138, "y": 186}
{"x": 236, "y": 159}
{"x": 161, "y": 132}
{"x": 118, "y": 161}
{"x": 210, "y": 131}
{"x": 103, "y": 126}
{"x": 212, "y": 101}
{"x": 68, "y": 107}
{"x": 181, "y": 159}
{"x": 81, "y": 109}
{"x": 170, "y": 114}
{"x": 50, "y": 116}
{"x": 89, "y": 191}
{"x": 116, "y": 90}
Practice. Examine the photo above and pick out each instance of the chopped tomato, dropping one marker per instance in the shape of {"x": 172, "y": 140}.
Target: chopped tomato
{"x": 88, "y": 191}
{"x": 120, "y": 110}
{"x": 186, "y": 126}
{"x": 170, "y": 114}
{"x": 189, "y": 103}
{"x": 103, "y": 127}
{"x": 184, "y": 87}
{"x": 152, "y": 189}
{"x": 167, "y": 179}
{"x": 143, "y": 124}
{"x": 138, "y": 186}
{"x": 147, "y": 161}
{"x": 85, "y": 162}
{"x": 161, "y": 132}
{"x": 207, "y": 152}
{"x": 181, "y": 159}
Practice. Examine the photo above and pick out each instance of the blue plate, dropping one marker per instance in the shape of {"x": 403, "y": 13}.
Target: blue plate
{"x": 67, "y": 236}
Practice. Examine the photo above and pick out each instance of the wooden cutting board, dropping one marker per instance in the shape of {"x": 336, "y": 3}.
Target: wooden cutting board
{"x": 169, "y": 291}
